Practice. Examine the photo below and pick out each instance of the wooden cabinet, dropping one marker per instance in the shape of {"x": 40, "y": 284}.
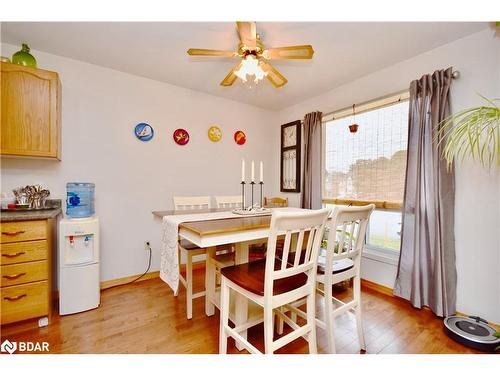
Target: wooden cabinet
{"x": 30, "y": 112}
{"x": 25, "y": 270}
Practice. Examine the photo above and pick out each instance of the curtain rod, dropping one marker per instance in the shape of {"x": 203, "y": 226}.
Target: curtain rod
{"x": 455, "y": 75}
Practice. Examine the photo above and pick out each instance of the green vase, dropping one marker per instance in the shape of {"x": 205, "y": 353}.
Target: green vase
{"x": 24, "y": 57}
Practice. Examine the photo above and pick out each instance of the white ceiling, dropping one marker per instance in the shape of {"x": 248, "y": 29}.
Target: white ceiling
{"x": 343, "y": 51}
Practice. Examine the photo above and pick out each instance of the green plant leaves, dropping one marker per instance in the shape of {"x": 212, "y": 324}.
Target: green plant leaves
{"x": 473, "y": 132}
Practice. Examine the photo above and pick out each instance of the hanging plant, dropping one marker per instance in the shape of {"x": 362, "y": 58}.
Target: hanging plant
{"x": 474, "y": 133}
{"x": 353, "y": 128}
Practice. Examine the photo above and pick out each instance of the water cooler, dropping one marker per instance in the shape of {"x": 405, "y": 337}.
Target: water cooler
{"x": 78, "y": 259}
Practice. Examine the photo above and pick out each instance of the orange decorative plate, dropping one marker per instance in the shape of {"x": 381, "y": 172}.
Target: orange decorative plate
{"x": 240, "y": 137}
{"x": 214, "y": 133}
{"x": 181, "y": 137}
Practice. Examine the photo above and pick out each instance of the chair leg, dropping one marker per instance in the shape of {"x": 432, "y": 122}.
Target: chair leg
{"x": 357, "y": 310}
{"x": 311, "y": 320}
{"x": 224, "y": 316}
{"x": 189, "y": 285}
{"x": 268, "y": 330}
{"x": 179, "y": 258}
{"x": 210, "y": 282}
{"x": 280, "y": 322}
{"x": 329, "y": 319}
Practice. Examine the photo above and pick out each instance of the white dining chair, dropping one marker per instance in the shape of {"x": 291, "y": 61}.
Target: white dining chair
{"x": 341, "y": 261}
{"x": 273, "y": 282}
{"x": 192, "y": 203}
{"x": 228, "y": 201}
{"x": 226, "y": 257}
{"x": 190, "y": 250}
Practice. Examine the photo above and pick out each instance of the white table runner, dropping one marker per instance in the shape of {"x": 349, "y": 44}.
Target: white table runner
{"x": 169, "y": 261}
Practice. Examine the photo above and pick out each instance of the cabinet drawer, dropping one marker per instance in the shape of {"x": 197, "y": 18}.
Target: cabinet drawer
{"x": 21, "y": 273}
{"x": 24, "y": 301}
{"x": 15, "y": 231}
{"x": 18, "y": 252}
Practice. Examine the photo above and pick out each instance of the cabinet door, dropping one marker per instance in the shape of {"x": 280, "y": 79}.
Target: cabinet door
{"x": 30, "y": 112}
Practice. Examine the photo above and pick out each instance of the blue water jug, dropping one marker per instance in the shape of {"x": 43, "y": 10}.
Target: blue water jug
{"x": 80, "y": 199}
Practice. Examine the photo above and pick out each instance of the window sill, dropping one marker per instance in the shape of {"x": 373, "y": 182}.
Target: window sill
{"x": 388, "y": 257}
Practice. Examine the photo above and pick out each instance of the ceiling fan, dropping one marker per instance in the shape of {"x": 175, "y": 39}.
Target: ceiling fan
{"x": 254, "y": 57}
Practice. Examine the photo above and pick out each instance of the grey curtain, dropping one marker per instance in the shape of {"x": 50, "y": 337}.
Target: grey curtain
{"x": 311, "y": 188}
{"x": 426, "y": 273}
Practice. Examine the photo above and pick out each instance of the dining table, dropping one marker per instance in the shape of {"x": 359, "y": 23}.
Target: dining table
{"x": 240, "y": 230}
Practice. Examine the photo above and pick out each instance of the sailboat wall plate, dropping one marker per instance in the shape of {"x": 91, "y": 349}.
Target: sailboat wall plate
{"x": 144, "y": 132}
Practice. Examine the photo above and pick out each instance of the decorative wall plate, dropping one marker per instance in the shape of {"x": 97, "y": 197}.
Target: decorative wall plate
{"x": 214, "y": 133}
{"x": 144, "y": 132}
{"x": 181, "y": 137}
{"x": 240, "y": 137}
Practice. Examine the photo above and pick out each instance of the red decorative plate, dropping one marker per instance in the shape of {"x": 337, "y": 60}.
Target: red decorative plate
{"x": 181, "y": 137}
{"x": 240, "y": 137}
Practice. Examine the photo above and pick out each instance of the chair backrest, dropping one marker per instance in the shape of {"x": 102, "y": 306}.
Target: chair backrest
{"x": 346, "y": 235}
{"x": 275, "y": 202}
{"x": 191, "y": 203}
{"x": 297, "y": 260}
{"x": 228, "y": 201}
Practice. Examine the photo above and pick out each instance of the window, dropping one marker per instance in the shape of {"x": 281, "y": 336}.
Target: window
{"x": 369, "y": 166}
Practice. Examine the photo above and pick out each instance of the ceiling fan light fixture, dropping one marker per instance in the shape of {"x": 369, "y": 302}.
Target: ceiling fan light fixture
{"x": 255, "y": 57}
{"x": 250, "y": 66}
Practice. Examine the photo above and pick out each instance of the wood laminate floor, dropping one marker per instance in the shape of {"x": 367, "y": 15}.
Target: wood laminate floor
{"x": 145, "y": 317}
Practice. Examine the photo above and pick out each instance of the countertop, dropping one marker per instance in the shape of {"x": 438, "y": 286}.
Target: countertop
{"x": 22, "y": 215}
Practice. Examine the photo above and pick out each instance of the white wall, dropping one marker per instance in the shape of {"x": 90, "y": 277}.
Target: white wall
{"x": 477, "y": 207}
{"x": 100, "y": 108}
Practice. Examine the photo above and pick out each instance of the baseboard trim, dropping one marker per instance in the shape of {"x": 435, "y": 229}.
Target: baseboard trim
{"x": 377, "y": 287}
{"x": 127, "y": 279}
{"x": 150, "y": 275}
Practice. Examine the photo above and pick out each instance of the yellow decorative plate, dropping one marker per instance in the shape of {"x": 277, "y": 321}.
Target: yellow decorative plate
{"x": 214, "y": 133}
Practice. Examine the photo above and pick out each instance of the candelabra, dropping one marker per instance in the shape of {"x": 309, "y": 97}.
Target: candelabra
{"x": 242, "y": 195}
{"x": 253, "y": 184}
{"x": 261, "y": 187}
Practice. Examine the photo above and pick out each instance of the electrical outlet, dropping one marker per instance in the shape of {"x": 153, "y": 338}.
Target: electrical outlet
{"x": 147, "y": 246}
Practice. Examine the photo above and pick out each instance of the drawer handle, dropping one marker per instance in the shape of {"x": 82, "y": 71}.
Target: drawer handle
{"x": 14, "y": 255}
{"x": 14, "y": 233}
{"x": 16, "y": 298}
{"x": 12, "y": 277}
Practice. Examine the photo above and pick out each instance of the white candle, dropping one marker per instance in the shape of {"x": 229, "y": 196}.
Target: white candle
{"x": 253, "y": 171}
{"x": 243, "y": 170}
{"x": 261, "y": 172}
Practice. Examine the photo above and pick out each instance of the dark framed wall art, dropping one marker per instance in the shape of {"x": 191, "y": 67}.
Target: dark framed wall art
{"x": 290, "y": 157}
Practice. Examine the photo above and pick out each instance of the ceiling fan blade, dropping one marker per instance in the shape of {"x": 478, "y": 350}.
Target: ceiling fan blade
{"x": 248, "y": 33}
{"x": 292, "y": 52}
{"x": 273, "y": 75}
{"x": 231, "y": 77}
{"x": 210, "y": 52}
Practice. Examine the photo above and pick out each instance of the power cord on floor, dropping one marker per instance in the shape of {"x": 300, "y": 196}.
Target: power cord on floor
{"x": 145, "y": 272}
